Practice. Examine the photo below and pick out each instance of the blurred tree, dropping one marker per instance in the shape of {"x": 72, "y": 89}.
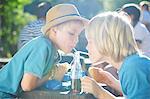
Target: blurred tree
{"x": 111, "y": 5}
{"x": 12, "y": 19}
{"x": 87, "y": 8}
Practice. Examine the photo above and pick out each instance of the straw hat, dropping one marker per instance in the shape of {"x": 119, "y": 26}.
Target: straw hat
{"x": 62, "y": 13}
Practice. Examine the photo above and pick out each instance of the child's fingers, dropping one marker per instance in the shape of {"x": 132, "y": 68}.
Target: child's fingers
{"x": 64, "y": 66}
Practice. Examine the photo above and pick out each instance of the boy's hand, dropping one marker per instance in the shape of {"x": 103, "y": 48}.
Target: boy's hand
{"x": 89, "y": 85}
{"x": 60, "y": 71}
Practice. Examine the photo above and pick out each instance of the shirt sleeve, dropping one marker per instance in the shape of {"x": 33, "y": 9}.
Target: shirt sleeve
{"x": 146, "y": 17}
{"x": 140, "y": 32}
{"x": 131, "y": 83}
{"x": 36, "y": 62}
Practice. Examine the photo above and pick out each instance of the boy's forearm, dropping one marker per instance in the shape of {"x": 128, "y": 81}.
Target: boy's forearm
{"x": 30, "y": 82}
{"x": 44, "y": 79}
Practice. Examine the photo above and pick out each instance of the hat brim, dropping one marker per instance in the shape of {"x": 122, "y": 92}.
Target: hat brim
{"x": 61, "y": 20}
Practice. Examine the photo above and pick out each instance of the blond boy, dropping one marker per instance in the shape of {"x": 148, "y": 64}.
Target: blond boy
{"x": 110, "y": 39}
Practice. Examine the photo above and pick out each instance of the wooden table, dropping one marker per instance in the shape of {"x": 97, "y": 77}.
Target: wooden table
{"x": 63, "y": 92}
{"x": 53, "y": 95}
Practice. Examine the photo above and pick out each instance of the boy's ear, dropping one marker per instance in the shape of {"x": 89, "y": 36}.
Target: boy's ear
{"x": 54, "y": 30}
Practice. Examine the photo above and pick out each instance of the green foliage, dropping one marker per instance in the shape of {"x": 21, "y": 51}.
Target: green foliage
{"x": 12, "y": 21}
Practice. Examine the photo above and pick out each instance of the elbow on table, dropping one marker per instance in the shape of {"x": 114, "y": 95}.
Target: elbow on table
{"x": 26, "y": 87}
{"x": 28, "y": 82}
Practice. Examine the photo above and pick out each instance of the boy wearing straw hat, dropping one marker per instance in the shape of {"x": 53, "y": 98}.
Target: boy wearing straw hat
{"x": 29, "y": 67}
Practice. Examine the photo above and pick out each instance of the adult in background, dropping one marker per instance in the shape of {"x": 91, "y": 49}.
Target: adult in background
{"x": 145, "y": 16}
{"x": 142, "y": 35}
{"x": 33, "y": 29}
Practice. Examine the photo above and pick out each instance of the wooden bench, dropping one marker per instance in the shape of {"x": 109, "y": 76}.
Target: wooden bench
{"x": 4, "y": 61}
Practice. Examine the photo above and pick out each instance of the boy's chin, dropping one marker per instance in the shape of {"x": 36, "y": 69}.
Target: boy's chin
{"x": 67, "y": 51}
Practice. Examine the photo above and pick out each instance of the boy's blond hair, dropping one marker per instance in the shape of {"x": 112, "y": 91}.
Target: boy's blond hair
{"x": 112, "y": 35}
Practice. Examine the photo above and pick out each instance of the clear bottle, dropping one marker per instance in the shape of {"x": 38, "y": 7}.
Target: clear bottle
{"x": 76, "y": 74}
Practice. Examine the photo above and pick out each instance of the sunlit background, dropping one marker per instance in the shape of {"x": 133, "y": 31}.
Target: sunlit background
{"x": 13, "y": 17}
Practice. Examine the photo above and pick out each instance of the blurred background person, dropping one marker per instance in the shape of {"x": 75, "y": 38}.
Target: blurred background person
{"x": 142, "y": 35}
{"x": 145, "y": 16}
{"x": 33, "y": 29}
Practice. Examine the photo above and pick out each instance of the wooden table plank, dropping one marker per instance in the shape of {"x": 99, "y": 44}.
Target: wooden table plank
{"x": 53, "y": 95}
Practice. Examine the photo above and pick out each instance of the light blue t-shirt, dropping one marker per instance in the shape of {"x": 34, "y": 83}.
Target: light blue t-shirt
{"x": 36, "y": 57}
{"x": 134, "y": 76}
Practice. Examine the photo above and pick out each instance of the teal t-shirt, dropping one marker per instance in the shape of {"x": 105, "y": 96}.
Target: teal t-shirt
{"x": 134, "y": 76}
{"x": 36, "y": 57}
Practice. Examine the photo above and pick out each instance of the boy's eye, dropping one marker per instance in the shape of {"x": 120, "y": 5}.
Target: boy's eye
{"x": 70, "y": 33}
